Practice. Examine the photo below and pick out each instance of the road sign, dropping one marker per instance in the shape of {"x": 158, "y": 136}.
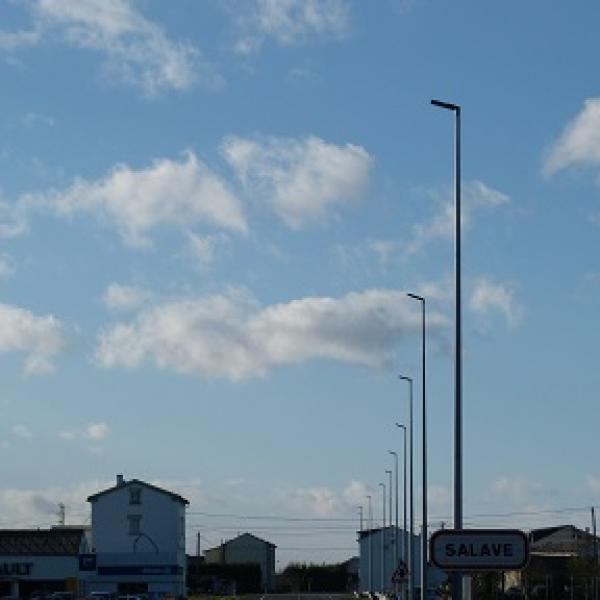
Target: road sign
{"x": 400, "y": 572}
{"x": 479, "y": 549}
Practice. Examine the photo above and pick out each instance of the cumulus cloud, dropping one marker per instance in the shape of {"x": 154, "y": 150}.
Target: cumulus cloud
{"x": 137, "y": 50}
{"x": 7, "y": 266}
{"x": 288, "y": 22}
{"x": 40, "y": 337}
{"x": 23, "y": 432}
{"x": 579, "y": 142}
{"x": 168, "y": 193}
{"x": 12, "y": 40}
{"x": 320, "y": 501}
{"x": 205, "y": 249}
{"x": 514, "y": 489}
{"x": 476, "y": 196}
{"x": 230, "y": 336}
{"x": 302, "y": 179}
{"x": 124, "y": 297}
{"x": 93, "y": 431}
{"x": 489, "y": 296}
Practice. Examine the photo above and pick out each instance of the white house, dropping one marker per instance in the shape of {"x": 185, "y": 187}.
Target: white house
{"x": 138, "y": 540}
{"x": 247, "y": 549}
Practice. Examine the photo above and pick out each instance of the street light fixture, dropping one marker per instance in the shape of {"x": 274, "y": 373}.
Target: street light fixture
{"x": 411, "y": 579}
{"x": 458, "y": 474}
{"x": 382, "y": 589}
{"x": 370, "y": 516}
{"x": 405, "y": 532}
{"x": 424, "y": 437}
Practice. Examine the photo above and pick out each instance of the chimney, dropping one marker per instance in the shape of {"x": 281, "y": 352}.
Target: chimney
{"x": 120, "y": 480}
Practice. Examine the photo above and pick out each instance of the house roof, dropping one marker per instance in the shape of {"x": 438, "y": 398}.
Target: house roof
{"x": 137, "y": 483}
{"x": 540, "y": 534}
{"x": 41, "y": 542}
{"x": 237, "y": 538}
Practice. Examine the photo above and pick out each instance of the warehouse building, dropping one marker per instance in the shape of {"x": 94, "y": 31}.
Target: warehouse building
{"x": 41, "y": 560}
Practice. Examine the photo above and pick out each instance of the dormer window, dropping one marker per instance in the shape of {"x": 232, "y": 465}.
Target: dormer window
{"x": 135, "y": 495}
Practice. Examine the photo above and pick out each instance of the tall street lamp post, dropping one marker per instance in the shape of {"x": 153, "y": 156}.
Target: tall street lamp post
{"x": 382, "y": 588}
{"x": 411, "y": 579}
{"x": 458, "y": 474}
{"x": 405, "y": 533}
{"x": 370, "y": 516}
{"x": 424, "y": 436}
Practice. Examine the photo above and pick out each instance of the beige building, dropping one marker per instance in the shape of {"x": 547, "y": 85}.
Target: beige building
{"x": 247, "y": 549}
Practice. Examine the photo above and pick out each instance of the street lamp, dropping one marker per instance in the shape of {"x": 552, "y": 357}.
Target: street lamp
{"x": 382, "y": 486}
{"x": 360, "y": 513}
{"x": 411, "y": 580}
{"x": 424, "y": 436}
{"x": 395, "y": 455}
{"x": 405, "y": 533}
{"x": 370, "y": 544}
{"x": 458, "y": 475}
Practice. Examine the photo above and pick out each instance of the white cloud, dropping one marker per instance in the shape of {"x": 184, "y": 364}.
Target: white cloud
{"x": 354, "y": 494}
{"x": 12, "y": 40}
{"x": 302, "y": 179}
{"x": 514, "y": 489}
{"x": 579, "y": 142}
{"x": 93, "y": 431}
{"x": 124, "y": 297}
{"x": 230, "y": 336}
{"x": 489, "y": 296}
{"x": 288, "y": 22}
{"x": 137, "y": 50}
{"x": 320, "y": 501}
{"x": 475, "y": 195}
{"x": 205, "y": 249}
{"x": 7, "y": 266}
{"x": 42, "y": 337}
{"x": 138, "y": 201}
{"x": 592, "y": 483}
{"x": 23, "y": 432}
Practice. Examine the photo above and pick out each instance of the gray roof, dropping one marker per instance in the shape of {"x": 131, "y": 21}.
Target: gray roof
{"x": 41, "y": 542}
{"x": 138, "y": 483}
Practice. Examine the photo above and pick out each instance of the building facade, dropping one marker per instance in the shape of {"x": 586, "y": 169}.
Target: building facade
{"x": 138, "y": 540}
{"x": 247, "y": 549}
{"x": 40, "y": 560}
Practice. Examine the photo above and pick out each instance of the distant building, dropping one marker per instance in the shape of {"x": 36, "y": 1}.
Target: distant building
{"x": 375, "y": 577}
{"x": 563, "y": 539}
{"x": 40, "y": 559}
{"x": 138, "y": 540}
{"x": 352, "y": 566}
{"x": 247, "y": 549}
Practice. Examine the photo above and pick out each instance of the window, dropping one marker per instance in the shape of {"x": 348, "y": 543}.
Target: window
{"x": 135, "y": 522}
{"x": 135, "y": 495}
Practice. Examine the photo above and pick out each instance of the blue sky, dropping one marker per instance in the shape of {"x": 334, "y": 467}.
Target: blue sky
{"x": 210, "y": 213}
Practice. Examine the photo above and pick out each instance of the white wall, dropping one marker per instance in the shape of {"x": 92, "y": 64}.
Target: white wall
{"x": 162, "y": 522}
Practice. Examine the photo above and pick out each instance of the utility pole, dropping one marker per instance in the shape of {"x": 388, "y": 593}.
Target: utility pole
{"x": 61, "y": 514}
{"x": 198, "y": 544}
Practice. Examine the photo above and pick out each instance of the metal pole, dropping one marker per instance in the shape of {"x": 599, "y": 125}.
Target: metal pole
{"x": 396, "y": 553}
{"x": 360, "y": 512}
{"x": 411, "y": 579}
{"x": 424, "y": 546}
{"x": 382, "y": 588}
{"x": 395, "y": 455}
{"x": 370, "y": 546}
{"x": 458, "y": 474}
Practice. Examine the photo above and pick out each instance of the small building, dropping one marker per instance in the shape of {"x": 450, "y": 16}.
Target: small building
{"x": 377, "y": 564}
{"x": 562, "y": 539}
{"x": 247, "y": 549}
{"x": 45, "y": 560}
{"x": 138, "y": 540}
